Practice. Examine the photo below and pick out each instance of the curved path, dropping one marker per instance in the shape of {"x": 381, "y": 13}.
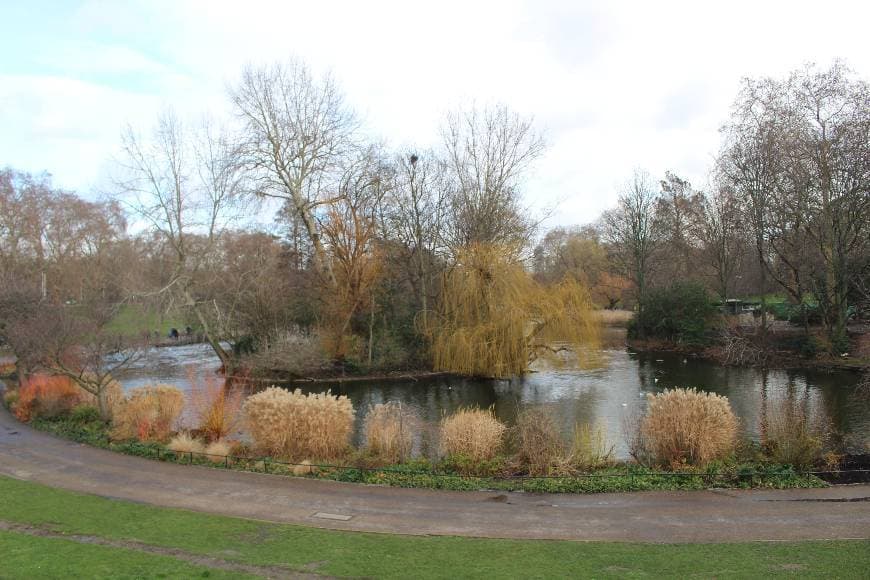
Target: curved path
{"x": 706, "y": 516}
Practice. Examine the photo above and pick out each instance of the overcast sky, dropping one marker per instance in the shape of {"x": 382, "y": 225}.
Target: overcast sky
{"x": 613, "y": 85}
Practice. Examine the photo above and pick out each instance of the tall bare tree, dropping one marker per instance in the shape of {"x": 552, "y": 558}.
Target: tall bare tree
{"x": 417, "y": 212}
{"x": 187, "y": 188}
{"x": 722, "y": 236}
{"x": 298, "y": 129}
{"x": 488, "y": 150}
{"x": 630, "y": 231}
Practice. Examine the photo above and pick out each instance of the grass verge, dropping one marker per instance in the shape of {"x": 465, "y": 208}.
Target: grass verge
{"x": 186, "y": 535}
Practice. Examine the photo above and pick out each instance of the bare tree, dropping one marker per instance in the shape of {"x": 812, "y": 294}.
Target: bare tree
{"x": 488, "y": 151}
{"x": 629, "y": 229}
{"x": 187, "y": 191}
{"x": 829, "y": 171}
{"x": 797, "y": 152}
{"x": 721, "y": 231}
{"x": 416, "y": 216}
{"x": 51, "y": 337}
{"x": 677, "y": 221}
{"x": 750, "y": 163}
{"x": 297, "y": 130}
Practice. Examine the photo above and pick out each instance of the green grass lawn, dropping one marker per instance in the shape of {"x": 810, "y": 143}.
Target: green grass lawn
{"x": 132, "y": 319}
{"x": 158, "y": 542}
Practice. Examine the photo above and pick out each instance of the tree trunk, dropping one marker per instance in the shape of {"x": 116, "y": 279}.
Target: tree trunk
{"x": 103, "y": 403}
{"x": 213, "y": 341}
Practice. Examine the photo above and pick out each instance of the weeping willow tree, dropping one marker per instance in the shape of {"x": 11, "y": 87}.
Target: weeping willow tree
{"x": 494, "y": 320}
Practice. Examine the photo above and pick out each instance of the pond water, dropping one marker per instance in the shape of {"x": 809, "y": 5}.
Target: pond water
{"x": 612, "y": 393}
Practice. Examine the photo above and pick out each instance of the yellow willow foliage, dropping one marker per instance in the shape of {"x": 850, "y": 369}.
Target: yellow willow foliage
{"x": 494, "y": 319}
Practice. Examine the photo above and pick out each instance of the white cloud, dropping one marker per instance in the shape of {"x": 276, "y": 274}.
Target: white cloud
{"x": 616, "y": 85}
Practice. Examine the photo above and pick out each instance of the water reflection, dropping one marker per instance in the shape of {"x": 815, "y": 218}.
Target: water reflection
{"x": 613, "y": 393}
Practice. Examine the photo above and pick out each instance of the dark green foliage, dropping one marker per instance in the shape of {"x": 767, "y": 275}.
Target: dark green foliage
{"x": 84, "y": 414}
{"x": 681, "y": 313}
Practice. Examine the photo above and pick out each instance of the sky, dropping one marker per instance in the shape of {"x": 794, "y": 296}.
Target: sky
{"x": 613, "y": 86}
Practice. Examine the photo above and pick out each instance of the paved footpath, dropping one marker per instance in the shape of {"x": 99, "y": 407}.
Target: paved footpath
{"x": 701, "y": 516}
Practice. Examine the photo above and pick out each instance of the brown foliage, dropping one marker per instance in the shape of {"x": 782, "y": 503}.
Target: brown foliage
{"x": 389, "y": 431}
{"x": 350, "y": 230}
{"x": 215, "y": 407}
{"x": 794, "y": 432}
{"x": 539, "y": 444}
{"x": 149, "y": 413}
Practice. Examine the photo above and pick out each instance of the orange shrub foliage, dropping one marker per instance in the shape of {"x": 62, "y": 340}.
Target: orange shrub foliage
{"x": 215, "y": 407}
{"x": 46, "y": 396}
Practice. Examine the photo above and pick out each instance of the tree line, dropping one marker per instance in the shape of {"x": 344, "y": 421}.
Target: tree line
{"x": 369, "y": 239}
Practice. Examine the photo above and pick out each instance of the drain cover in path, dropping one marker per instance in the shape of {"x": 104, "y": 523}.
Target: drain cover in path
{"x": 326, "y": 516}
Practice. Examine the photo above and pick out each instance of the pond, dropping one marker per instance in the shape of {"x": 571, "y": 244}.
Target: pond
{"x": 612, "y": 393}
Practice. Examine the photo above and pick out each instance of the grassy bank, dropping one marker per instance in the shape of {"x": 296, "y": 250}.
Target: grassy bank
{"x": 132, "y": 320}
{"x": 53, "y": 533}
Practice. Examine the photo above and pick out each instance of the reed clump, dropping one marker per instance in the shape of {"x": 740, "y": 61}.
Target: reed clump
{"x": 148, "y": 413}
{"x": 794, "y": 432}
{"x": 539, "y": 445}
{"x": 474, "y": 434}
{"x": 389, "y": 431}
{"x": 292, "y": 425}
{"x": 590, "y": 448}
{"x": 687, "y": 426}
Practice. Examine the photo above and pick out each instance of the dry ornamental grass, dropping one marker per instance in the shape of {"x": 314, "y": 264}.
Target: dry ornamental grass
{"x": 389, "y": 431}
{"x": 472, "y": 433}
{"x": 794, "y": 432}
{"x": 294, "y": 426}
{"x": 217, "y": 451}
{"x": 185, "y": 443}
{"x": 215, "y": 407}
{"x": 590, "y": 448}
{"x": 539, "y": 444}
{"x": 688, "y": 426}
{"x": 149, "y": 413}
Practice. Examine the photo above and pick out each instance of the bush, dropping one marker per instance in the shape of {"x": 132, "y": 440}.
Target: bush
{"x": 389, "y": 432}
{"x": 590, "y": 448}
{"x": 472, "y": 433}
{"x": 215, "y": 407}
{"x": 148, "y": 414}
{"x": 794, "y": 433}
{"x": 538, "y": 442}
{"x": 294, "y": 426}
{"x": 681, "y": 313}
{"x": 185, "y": 443}
{"x": 46, "y": 396}
{"x": 686, "y": 426}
